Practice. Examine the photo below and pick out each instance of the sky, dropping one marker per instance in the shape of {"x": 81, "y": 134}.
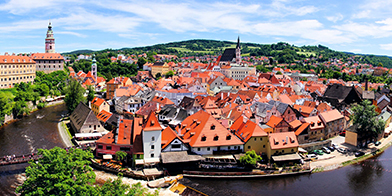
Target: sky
{"x": 359, "y": 26}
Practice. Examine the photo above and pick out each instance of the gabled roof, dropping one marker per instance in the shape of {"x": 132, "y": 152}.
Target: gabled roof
{"x": 246, "y": 130}
{"x": 97, "y": 101}
{"x": 281, "y": 107}
{"x": 301, "y": 128}
{"x": 274, "y": 121}
{"x": 168, "y": 135}
{"x": 47, "y": 56}
{"x": 204, "y": 130}
{"x": 339, "y": 92}
{"x": 80, "y": 115}
{"x": 123, "y": 132}
{"x": 331, "y": 115}
{"x": 151, "y": 123}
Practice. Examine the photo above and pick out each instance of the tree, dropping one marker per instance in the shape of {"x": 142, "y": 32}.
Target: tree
{"x": 250, "y": 158}
{"x": 169, "y": 74}
{"x": 158, "y": 75}
{"x": 279, "y": 73}
{"x": 365, "y": 120}
{"x": 91, "y": 93}
{"x": 74, "y": 95}
{"x": 5, "y": 106}
{"x": 59, "y": 172}
{"x": 140, "y": 62}
{"x": 44, "y": 90}
{"x": 120, "y": 155}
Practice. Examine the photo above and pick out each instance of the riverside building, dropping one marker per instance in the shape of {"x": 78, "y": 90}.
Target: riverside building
{"x": 16, "y": 69}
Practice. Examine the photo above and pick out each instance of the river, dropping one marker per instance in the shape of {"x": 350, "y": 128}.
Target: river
{"x": 39, "y": 130}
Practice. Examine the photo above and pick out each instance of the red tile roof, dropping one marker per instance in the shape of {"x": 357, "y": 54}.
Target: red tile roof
{"x": 151, "y": 123}
{"x": 15, "y": 59}
{"x": 274, "y": 121}
{"x": 203, "y": 130}
{"x": 283, "y": 140}
{"x": 168, "y": 135}
{"x": 246, "y": 130}
{"x": 104, "y": 115}
{"x": 97, "y": 101}
{"x": 47, "y": 56}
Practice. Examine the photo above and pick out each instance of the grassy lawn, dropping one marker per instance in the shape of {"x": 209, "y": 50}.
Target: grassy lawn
{"x": 307, "y": 54}
{"x": 187, "y": 50}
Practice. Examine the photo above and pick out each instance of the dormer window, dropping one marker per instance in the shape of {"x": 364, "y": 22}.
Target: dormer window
{"x": 203, "y": 139}
{"x": 212, "y": 127}
{"x": 228, "y": 137}
{"x": 216, "y": 138}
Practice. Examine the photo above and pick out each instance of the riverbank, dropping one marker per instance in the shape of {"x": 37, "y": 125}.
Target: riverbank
{"x": 337, "y": 160}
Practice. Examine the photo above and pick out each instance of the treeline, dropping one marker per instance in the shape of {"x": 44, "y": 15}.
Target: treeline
{"x": 16, "y": 100}
{"x": 281, "y": 52}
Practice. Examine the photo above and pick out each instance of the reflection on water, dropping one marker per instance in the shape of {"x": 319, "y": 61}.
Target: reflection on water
{"x": 371, "y": 177}
{"x": 39, "y": 130}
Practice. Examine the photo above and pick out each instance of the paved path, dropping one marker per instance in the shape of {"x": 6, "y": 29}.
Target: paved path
{"x": 64, "y": 134}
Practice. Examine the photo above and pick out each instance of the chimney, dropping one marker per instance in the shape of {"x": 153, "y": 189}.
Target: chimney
{"x": 221, "y": 96}
{"x": 287, "y": 139}
{"x": 157, "y": 106}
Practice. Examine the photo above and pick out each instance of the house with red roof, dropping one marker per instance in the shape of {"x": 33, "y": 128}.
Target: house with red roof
{"x": 278, "y": 124}
{"x": 334, "y": 122}
{"x": 317, "y": 128}
{"x": 152, "y": 139}
{"x": 253, "y": 136}
{"x": 172, "y": 142}
{"x": 285, "y": 144}
{"x": 206, "y": 136}
{"x": 98, "y": 104}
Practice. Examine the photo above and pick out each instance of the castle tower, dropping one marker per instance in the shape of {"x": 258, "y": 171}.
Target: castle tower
{"x": 49, "y": 40}
{"x": 238, "y": 52}
{"x": 94, "y": 67}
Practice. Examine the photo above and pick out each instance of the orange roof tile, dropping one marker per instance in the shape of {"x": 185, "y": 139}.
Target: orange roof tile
{"x": 283, "y": 140}
{"x": 97, "y": 101}
{"x": 47, "y": 56}
{"x": 274, "y": 121}
{"x": 301, "y": 128}
{"x": 15, "y": 59}
{"x": 104, "y": 115}
{"x": 152, "y": 123}
{"x": 203, "y": 130}
{"x": 246, "y": 130}
{"x": 168, "y": 135}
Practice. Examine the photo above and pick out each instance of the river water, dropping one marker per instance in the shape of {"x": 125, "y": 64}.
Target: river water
{"x": 39, "y": 130}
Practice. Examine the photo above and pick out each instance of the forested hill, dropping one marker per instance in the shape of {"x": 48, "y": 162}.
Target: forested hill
{"x": 282, "y": 52}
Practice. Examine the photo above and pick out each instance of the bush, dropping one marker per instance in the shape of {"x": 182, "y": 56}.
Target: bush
{"x": 41, "y": 105}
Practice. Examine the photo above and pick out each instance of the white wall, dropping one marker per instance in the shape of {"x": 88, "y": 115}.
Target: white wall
{"x": 147, "y": 144}
{"x": 209, "y": 150}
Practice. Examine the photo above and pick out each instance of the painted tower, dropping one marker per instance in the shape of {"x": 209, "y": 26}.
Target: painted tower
{"x": 238, "y": 52}
{"x": 49, "y": 40}
{"x": 94, "y": 68}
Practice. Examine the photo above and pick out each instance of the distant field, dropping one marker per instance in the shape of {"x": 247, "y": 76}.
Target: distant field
{"x": 307, "y": 54}
{"x": 187, "y": 50}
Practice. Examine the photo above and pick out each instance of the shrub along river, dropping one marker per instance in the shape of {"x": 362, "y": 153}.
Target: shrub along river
{"x": 39, "y": 130}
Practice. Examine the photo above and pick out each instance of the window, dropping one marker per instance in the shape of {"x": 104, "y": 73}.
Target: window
{"x": 152, "y": 155}
{"x": 108, "y": 147}
{"x": 125, "y": 149}
{"x": 204, "y": 138}
{"x": 208, "y": 149}
{"x": 198, "y": 149}
{"x": 263, "y": 146}
{"x": 248, "y": 147}
{"x": 255, "y": 139}
{"x": 228, "y": 137}
{"x": 176, "y": 145}
{"x": 152, "y": 147}
{"x": 216, "y": 138}
{"x": 152, "y": 138}
{"x": 261, "y": 139}
{"x": 100, "y": 146}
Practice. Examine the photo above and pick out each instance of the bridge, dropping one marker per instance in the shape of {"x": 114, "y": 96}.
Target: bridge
{"x": 19, "y": 159}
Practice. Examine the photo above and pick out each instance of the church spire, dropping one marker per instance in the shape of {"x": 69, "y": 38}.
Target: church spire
{"x": 238, "y": 42}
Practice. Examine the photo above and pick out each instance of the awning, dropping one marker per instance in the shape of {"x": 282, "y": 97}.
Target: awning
{"x": 139, "y": 162}
{"x": 302, "y": 150}
{"x": 151, "y": 160}
{"x": 107, "y": 156}
{"x": 286, "y": 157}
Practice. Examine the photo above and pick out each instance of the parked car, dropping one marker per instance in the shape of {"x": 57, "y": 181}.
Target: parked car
{"x": 377, "y": 143}
{"x": 342, "y": 133}
{"x": 318, "y": 152}
{"x": 331, "y": 148}
{"x": 341, "y": 150}
{"x": 310, "y": 156}
{"x": 359, "y": 153}
{"x": 326, "y": 150}
{"x": 335, "y": 146}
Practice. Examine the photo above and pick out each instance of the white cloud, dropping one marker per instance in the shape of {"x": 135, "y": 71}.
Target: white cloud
{"x": 386, "y": 46}
{"x": 335, "y": 18}
{"x": 20, "y": 7}
{"x": 71, "y": 33}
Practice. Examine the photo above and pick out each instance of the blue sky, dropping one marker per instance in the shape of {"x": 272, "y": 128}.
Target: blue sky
{"x": 360, "y": 26}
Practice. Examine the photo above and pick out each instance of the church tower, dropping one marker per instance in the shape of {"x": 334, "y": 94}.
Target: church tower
{"x": 49, "y": 40}
{"x": 94, "y": 68}
{"x": 238, "y": 52}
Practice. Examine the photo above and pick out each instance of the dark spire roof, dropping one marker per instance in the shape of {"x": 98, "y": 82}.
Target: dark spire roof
{"x": 238, "y": 42}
